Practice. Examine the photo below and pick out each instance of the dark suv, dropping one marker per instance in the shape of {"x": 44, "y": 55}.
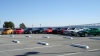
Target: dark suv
{"x": 38, "y": 30}
{"x": 28, "y": 31}
{"x": 61, "y": 31}
{"x": 55, "y": 31}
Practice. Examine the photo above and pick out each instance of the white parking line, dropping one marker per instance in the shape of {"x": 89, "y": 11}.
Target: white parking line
{"x": 78, "y": 52}
{"x": 28, "y": 48}
{"x": 93, "y": 50}
{"x": 69, "y": 54}
{"x": 6, "y": 54}
{"x": 11, "y": 44}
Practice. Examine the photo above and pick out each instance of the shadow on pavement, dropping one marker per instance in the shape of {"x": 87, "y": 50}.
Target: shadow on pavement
{"x": 38, "y": 53}
{"x": 29, "y": 53}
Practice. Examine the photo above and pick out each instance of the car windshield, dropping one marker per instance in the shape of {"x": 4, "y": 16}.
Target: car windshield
{"x": 58, "y": 28}
{"x": 29, "y": 29}
{"x": 40, "y": 28}
{"x": 1, "y": 29}
{"x": 35, "y": 28}
{"x": 71, "y": 28}
{"x": 49, "y": 28}
{"x": 18, "y": 29}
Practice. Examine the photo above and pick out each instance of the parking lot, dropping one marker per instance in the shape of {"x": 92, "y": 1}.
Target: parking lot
{"x": 58, "y": 46}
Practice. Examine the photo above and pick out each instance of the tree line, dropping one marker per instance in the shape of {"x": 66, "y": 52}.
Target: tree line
{"x": 10, "y": 24}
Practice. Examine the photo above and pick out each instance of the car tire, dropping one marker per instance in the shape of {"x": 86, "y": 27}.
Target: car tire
{"x": 36, "y": 32}
{"x": 11, "y": 32}
{"x": 30, "y": 32}
{"x": 85, "y": 34}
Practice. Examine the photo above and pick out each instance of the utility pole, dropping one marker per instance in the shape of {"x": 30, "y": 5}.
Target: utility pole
{"x": 32, "y": 25}
{"x": 40, "y": 25}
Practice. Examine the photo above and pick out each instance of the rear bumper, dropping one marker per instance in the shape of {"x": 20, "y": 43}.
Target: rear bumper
{"x": 17, "y": 33}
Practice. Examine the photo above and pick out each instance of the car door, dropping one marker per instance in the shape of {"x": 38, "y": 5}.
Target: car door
{"x": 41, "y": 30}
{"x": 93, "y": 31}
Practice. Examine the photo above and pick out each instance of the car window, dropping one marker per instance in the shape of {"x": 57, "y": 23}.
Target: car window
{"x": 40, "y": 28}
{"x": 65, "y": 28}
{"x": 58, "y": 28}
{"x": 29, "y": 29}
{"x": 18, "y": 29}
{"x": 35, "y": 28}
{"x": 71, "y": 28}
{"x": 95, "y": 29}
{"x": 86, "y": 29}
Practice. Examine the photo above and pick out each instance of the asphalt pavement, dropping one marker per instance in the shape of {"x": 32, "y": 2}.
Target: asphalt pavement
{"x": 58, "y": 46}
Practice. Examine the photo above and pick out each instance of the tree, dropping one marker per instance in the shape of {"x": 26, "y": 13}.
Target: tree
{"x": 22, "y": 25}
{"x": 8, "y": 24}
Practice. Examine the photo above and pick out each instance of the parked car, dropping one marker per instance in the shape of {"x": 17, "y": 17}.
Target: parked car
{"x": 38, "y": 30}
{"x": 7, "y": 31}
{"x": 18, "y": 31}
{"x": 1, "y": 30}
{"x": 28, "y": 31}
{"x": 55, "y": 31}
{"x": 75, "y": 31}
{"x": 90, "y": 31}
{"x": 48, "y": 30}
{"x": 61, "y": 31}
{"x": 68, "y": 31}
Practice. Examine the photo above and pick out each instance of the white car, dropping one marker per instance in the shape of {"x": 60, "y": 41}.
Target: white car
{"x": 67, "y": 32}
{"x": 73, "y": 31}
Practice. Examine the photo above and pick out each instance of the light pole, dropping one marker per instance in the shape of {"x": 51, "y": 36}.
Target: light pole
{"x": 40, "y": 25}
{"x": 32, "y": 25}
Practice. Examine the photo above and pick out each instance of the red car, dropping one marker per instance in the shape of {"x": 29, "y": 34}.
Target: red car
{"x": 18, "y": 31}
{"x": 48, "y": 30}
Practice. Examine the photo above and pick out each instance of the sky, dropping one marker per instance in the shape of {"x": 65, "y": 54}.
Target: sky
{"x": 49, "y": 12}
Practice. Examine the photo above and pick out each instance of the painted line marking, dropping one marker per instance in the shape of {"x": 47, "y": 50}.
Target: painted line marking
{"x": 6, "y": 54}
{"x": 78, "y": 52}
{"x": 69, "y": 54}
{"x": 12, "y": 44}
{"x": 93, "y": 50}
{"x": 28, "y": 48}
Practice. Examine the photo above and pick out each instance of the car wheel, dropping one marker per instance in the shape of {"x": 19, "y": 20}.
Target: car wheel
{"x": 80, "y": 35}
{"x": 30, "y": 32}
{"x": 36, "y": 32}
{"x": 44, "y": 32}
{"x": 76, "y": 34}
{"x": 11, "y": 32}
{"x": 85, "y": 35}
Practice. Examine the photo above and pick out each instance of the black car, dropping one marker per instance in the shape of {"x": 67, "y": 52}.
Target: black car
{"x": 55, "y": 31}
{"x": 28, "y": 31}
{"x": 38, "y": 30}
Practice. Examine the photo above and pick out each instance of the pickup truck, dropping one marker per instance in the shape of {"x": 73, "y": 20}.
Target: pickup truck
{"x": 89, "y": 31}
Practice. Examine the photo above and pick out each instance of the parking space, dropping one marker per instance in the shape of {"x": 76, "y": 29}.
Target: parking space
{"x": 58, "y": 46}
